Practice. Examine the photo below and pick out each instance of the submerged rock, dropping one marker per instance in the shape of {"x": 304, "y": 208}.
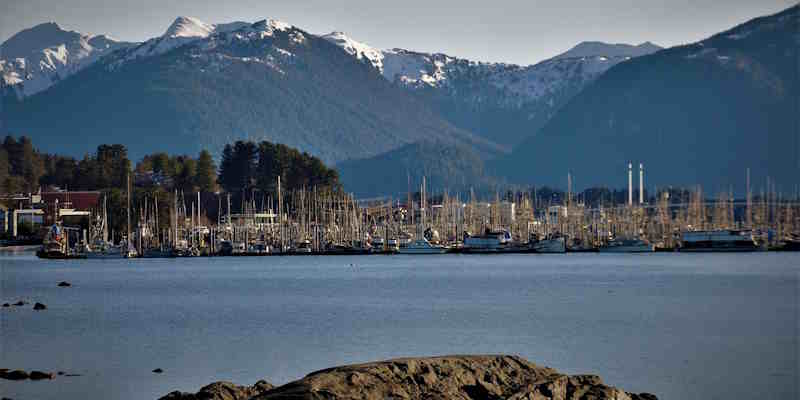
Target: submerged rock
{"x": 39, "y": 375}
{"x": 222, "y": 391}
{"x": 39, "y": 306}
{"x": 490, "y": 377}
{"x": 64, "y": 284}
{"x": 15, "y": 375}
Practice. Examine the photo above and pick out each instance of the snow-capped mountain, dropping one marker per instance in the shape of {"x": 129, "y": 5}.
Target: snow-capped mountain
{"x": 263, "y": 81}
{"x": 487, "y": 97}
{"x": 36, "y": 58}
{"x": 523, "y": 83}
{"x": 182, "y": 31}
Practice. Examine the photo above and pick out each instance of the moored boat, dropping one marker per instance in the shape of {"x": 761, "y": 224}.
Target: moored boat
{"x": 422, "y": 246}
{"x": 726, "y": 240}
{"x": 627, "y": 246}
{"x": 551, "y": 244}
{"x": 488, "y": 242}
{"x": 304, "y": 247}
{"x": 56, "y": 245}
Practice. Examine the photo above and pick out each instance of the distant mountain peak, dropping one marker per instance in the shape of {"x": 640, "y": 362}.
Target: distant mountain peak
{"x": 355, "y": 48}
{"x": 270, "y": 23}
{"x": 42, "y": 36}
{"x": 189, "y": 27}
{"x": 602, "y": 49}
{"x": 182, "y": 31}
{"x": 36, "y": 58}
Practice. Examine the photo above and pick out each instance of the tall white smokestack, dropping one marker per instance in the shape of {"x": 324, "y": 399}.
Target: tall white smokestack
{"x": 630, "y": 184}
{"x": 641, "y": 183}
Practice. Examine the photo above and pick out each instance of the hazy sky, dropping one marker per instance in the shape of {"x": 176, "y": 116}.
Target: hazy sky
{"x": 521, "y": 32}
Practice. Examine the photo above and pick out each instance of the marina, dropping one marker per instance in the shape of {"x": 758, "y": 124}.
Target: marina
{"x": 329, "y": 222}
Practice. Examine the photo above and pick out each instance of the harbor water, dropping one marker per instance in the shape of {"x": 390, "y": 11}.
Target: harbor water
{"x": 681, "y": 326}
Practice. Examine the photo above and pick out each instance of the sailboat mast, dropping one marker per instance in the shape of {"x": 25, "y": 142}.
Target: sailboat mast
{"x": 128, "y": 212}
{"x": 105, "y": 220}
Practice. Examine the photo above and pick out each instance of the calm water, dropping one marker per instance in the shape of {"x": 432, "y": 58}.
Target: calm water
{"x": 682, "y": 326}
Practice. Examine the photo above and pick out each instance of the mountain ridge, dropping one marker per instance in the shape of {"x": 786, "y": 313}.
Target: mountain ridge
{"x": 267, "y": 80}
{"x": 700, "y": 113}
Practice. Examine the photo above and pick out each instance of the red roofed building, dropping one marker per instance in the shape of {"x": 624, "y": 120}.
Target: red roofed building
{"x": 78, "y": 201}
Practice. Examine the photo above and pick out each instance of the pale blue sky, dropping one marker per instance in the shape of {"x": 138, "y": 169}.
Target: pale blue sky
{"x": 522, "y": 32}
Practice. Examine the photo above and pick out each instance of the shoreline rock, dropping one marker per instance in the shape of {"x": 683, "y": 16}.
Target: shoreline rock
{"x": 39, "y": 375}
{"x": 460, "y": 377}
{"x": 14, "y": 375}
{"x": 64, "y": 284}
{"x": 223, "y": 391}
{"x": 34, "y": 375}
{"x": 39, "y": 307}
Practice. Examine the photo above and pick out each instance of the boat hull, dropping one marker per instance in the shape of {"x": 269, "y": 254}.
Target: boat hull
{"x": 721, "y": 250}
{"x": 550, "y": 246}
{"x": 57, "y": 255}
{"x": 422, "y": 251}
{"x": 627, "y": 249}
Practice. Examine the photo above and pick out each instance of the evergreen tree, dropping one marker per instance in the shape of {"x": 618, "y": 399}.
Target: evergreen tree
{"x": 206, "y": 174}
{"x": 186, "y": 169}
{"x": 238, "y": 167}
{"x": 32, "y": 165}
{"x": 162, "y": 163}
{"x": 4, "y": 167}
{"x": 113, "y": 165}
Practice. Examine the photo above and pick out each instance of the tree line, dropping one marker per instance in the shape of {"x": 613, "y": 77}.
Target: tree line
{"x": 245, "y": 166}
{"x": 249, "y": 166}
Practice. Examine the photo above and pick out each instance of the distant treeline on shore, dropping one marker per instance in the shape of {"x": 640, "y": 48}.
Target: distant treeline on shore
{"x": 245, "y": 167}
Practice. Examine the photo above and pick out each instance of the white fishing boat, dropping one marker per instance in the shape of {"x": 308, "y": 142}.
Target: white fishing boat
{"x": 104, "y": 250}
{"x": 422, "y": 246}
{"x": 550, "y": 245}
{"x": 304, "y": 247}
{"x": 489, "y": 241}
{"x": 378, "y": 244}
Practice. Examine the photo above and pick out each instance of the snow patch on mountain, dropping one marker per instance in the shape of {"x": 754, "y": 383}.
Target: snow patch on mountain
{"x": 357, "y": 49}
{"x": 593, "y": 49}
{"x": 221, "y": 49}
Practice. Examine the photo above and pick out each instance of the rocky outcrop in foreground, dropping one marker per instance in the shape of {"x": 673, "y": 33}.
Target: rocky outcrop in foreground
{"x": 491, "y": 377}
{"x": 223, "y": 391}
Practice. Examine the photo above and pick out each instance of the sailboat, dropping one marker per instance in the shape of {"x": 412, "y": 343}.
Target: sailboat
{"x": 421, "y": 245}
{"x": 101, "y": 248}
{"x": 130, "y": 248}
